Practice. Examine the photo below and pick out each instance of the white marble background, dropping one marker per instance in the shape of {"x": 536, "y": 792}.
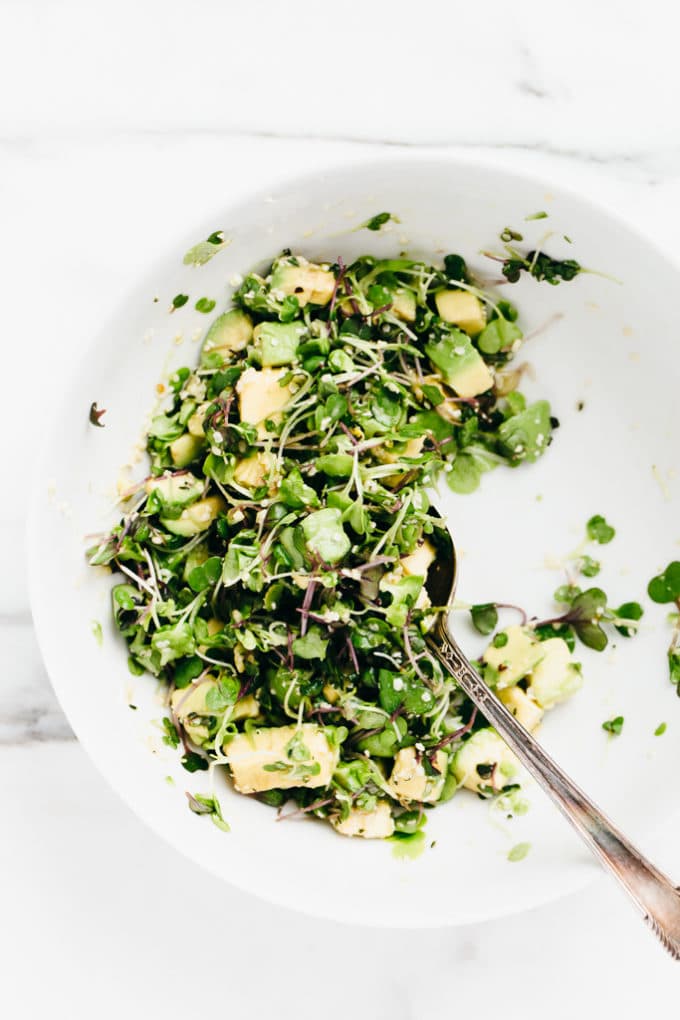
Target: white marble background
{"x": 120, "y": 126}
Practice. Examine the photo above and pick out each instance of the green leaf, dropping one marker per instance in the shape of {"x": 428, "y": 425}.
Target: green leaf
{"x": 171, "y": 736}
{"x": 205, "y": 305}
{"x": 566, "y": 593}
{"x": 201, "y": 805}
{"x": 519, "y": 851}
{"x": 179, "y": 300}
{"x": 599, "y": 531}
{"x": 224, "y": 694}
{"x": 498, "y": 335}
{"x": 628, "y": 611}
{"x": 589, "y": 567}
{"x": 525, "y": 436}
{"x": 666, "y": 586}
{"x": 485, "y": 618}
{"x": 195, "y": 762}
{"x": 187, "y": 670}
{"x": 660, "y": 730}
{"x": 295, "y": 493}
{"x": 404, "y": 594}
{"x": 205, "y": 576}
{"x": 205, "y": 250}
{"x": 377, "y": 221}
{"x": 312, "y": 646}
{"x": 433, "y": 394}
{"x": 536, "y": 216}
{"x": 674, "y": 667}
{"x": 336, "y": 465}
{"x": 613, "y": 726}
{"x": 173, "y": 642}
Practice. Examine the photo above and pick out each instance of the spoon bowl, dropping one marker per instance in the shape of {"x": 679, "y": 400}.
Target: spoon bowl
{"x": 653, "y": 893}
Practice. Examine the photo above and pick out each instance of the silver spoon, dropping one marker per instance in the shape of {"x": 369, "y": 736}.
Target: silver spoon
{"x": 651, "y": 891}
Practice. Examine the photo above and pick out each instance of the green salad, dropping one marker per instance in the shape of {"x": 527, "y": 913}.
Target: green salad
{"x": 273, "y": 563}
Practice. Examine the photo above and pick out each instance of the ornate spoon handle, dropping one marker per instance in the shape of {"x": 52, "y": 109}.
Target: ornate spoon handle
{"x": 655, "y": 896}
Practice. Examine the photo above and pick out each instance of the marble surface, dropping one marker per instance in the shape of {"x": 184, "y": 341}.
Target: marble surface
{"x": 118, "y": 130}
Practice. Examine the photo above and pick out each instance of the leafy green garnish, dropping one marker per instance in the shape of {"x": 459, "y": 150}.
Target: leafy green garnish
{"x": 201, "y": 805}
{"x": 613, "y": 726}
{"x": 179, "y": 301}
{"x": 205, "y": 305}
{"x": 599, "y": 530}
{"x": 519, "y": 851}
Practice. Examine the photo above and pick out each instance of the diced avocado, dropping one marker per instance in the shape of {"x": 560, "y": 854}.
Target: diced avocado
{"x": 309, "y": 283}
{"x": 195, "y": 519}
{"x": 404, "y": 305}
{"x": 459, "y": 364}
{"x": 461, "y": 308}
{"x": 229, "y": 332}
{"x": 525, "y": 436}
{"x": 555, "y": 678}
{"x": 191, "y": 701}
{"x": 375, "y": 824}
{"x": 245, "y": 708}
{"x": 185, "y": 449}
{"x": 195, "y": 558}
{"x": 516, "y": 658}
{"x": 195, "y": 423}
{"x": 525, "y": 711}
{"x": 261, "y": 396}
{"x": 418, "y": 562}
{"x": 410, "y": 781}
{"x": 281, "y": 757}
{"x": 277, "y": 342}
{"x": 325, "y": 536}
{"x": 175, "y": 489}
{"x": 484, "y": 761}
{"x": 253, "y": 471}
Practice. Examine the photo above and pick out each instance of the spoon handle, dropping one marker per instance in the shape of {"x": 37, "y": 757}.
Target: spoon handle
{"x": 653, "y": 893}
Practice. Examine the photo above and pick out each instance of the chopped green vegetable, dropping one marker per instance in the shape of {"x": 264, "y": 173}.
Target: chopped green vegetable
{"x": 613, "y": 726}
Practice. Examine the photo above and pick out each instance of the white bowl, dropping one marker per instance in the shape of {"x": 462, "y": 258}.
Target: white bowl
{"x": 614, "y": 349}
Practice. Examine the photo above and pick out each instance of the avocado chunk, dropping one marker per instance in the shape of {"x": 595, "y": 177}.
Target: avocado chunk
{"x": 230, "y": 332}
{"x": 461, "y": 308}
{"x": 484, "y": 763}
{"x": 282, "y": 757}
{"x": 375, "y": 824}
{"x": 184, "y": 449}
{"x": 516, "y": 658}
{"x": 178, "y": 489}
{"x": 555, "y": 678}
{"x": 410, "y": 781}
{"x": 253, "y": 471}
{"x": 277, "y": 342}
{"x": 196, "y": 518}
{"x": 527, "y": 713}
{"x": 459, "y": 364}
{"x": 526, "y": 435}
{"x": 404, "y": 305}
{"x": 309, "y": 283}
{"x": 324, "y": 534}
{"x": 261, "y": 396}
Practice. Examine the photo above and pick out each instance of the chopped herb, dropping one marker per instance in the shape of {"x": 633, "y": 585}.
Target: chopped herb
{"x": 613, "y": 726}
{"x": 208, "y": 806}
{"x": 179, "y": 301}
{"x": 378, "y": 221}
{"x": 660, "y": 730}
{"x": 599, "y": 531}
{"x": 537, "y": 216}
{"x": 519, "y": 851}
{"x": 171, "y": 736}
{"x": 205, "y": 305}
